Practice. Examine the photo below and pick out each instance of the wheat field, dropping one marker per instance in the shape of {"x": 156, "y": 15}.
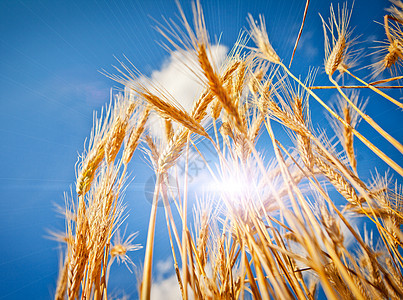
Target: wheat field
{"x": 277, "y": 227}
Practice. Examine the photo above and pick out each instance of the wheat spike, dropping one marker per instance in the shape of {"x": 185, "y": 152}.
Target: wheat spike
{"x": 338, "y": 181}
{"x": 336, "y": 48}
{"x": 259, "y": 36}
{"x": 349, "y": 138}
{"x": 62, "y": 281}
{"x": 217, "y": 87}
{"x": 115, "y": 139}
{"x": 134, "y": 136}
{"x": 171, "y": 112}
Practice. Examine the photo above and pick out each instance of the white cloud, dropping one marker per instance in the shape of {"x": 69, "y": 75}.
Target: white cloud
{"x": 306, "y": 44}
{"x": 167, "y": 289}
{"x": 164, "y": 267}
{"x": 164, "y": 287}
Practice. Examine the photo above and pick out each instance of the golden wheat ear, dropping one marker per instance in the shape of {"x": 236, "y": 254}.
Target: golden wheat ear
{"x": 216, "y": 85}
{"x": 259, "y": 35}
{"x": 389, "y": 55}
{"x": 352, "y": 118}
{"x": 337, "y": 45}
{"x": 134, "y": 136}
{"x": 92, "y": 158}
{"x": 390, "y": 52}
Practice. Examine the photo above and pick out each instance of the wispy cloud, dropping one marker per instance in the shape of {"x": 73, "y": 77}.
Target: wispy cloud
{"x": 306, "y": 46}
{"x": 166, "y": 284}
{"x": 167, "y": 289}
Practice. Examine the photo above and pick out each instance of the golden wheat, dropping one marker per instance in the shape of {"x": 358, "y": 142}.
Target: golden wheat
{"x": 277, "y": 232}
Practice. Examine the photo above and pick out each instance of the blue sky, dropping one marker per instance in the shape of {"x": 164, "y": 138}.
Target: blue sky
{"x": 51, "y": 53}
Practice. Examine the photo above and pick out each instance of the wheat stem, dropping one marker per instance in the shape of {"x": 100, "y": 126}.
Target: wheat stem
{"x": 376, "y": 90}
{"x": 146, "y": 281}
{"x": 324, "y": 87}
{"x": 184, "y": 225}
{"x": 300, "y": 32}
{"x": 369, "y": 120}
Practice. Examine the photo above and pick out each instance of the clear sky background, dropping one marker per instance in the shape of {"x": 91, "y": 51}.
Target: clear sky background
{"x": 51, "y": 53}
